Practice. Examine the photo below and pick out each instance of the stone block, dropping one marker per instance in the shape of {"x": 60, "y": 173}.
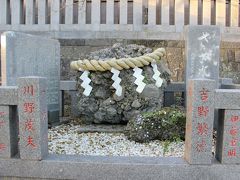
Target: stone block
{"x": 199, "y": 123}
{"x": 227, "y": 99}
{"x": 29, "y": 55}
{"x": 33, "y": 126}
{"x": 175, "y": 87}
{"x": 202, "y": 50}
{"x": 169, "y": 99}
{"x": 68, "y": 85}
{"x": 74, "y": 104}
{"x": 8, "y": 95}
{"x": 8, "y": 132}
{"x": 228, "y": 140}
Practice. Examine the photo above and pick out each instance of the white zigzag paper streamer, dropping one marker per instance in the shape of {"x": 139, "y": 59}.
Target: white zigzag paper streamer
{"x": 85, "y": 84}
{"x": 139, "y": 79}
{"x": 156, "y": 75}
{"x": 117, "y": 81}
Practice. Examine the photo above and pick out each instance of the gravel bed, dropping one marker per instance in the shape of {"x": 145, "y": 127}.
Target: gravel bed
{"x": 67, "y": 139}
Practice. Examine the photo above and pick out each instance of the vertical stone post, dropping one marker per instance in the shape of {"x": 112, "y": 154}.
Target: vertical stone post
{"x": 179, "y": 15}
{"x": 33, "y": 119}
{"x": 95, "y": 15}
{"x": 42, "y": 12}
{"x": 55, "y": 15}
{"x": 3, "y": 10}
{"x": 193, "y": 12}
{"x": 137, "y": 15}
{"x": 206, "y": 7}
{"x": 228, "y": 142}
{"x": 152, "y": 12}
{"x": 202, "y": 49}
{"x": 199, "y": 125}
{"x": 30, "y": 12}
{"x": 8, "y": 132}
{"x": 165, "y": 12}
{"x": 123, "y": 11}
{"x": 69, "y": 12}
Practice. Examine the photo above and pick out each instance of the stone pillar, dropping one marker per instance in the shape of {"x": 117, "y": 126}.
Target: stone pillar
{"x": 152, "y": 12}
{"x": 15, "y": 14}
{"x": 206, "y": 12}
{"x": 202, "y": 49}
{"x": 42, "y": 12}
{"x": 95, "y": 15}
{"x": 123, "y": 11}
{"x": 82, "y": 12}
{"x": 199, "y": 124}
{"x": 69, "y": 12}
{"x": 228, "y": 142}
{"x": 165, "y": 12}
{"x": 137, "y": 15}
{"x": 221, "y": 13}
{"x": 3, "y": 10}
{"x": 33, "y": 119}
{"x": 193, "y": 12}
{"x": 74, "y": 104}
{"x": 110, "y": 12}
{"x": 55, "y": 14}
{"x": 8, "y": 132}
{"x": 234, "y": 12}
{"x": 179, "y": 15}
{"x": 30, "y": 12}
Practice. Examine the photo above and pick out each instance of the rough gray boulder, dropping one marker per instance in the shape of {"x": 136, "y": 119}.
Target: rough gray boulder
{"x": 103, "y": 106}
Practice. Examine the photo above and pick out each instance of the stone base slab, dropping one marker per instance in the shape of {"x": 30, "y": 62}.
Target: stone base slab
{"x": 94, "y": 167}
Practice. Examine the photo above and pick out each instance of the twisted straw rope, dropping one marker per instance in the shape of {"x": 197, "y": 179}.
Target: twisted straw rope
{"x": 119, "y": 64}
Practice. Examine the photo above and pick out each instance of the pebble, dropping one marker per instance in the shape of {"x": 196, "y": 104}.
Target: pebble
{"x": 66, "y": 139}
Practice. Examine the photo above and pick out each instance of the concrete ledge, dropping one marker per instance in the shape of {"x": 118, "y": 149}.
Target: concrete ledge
{"x": 176, "y": 87}
{"x": 227, "y": 98}
{"x": 230, "y": 86}
{"x": 138, "y": 168}
{"x": 226, "y": 81}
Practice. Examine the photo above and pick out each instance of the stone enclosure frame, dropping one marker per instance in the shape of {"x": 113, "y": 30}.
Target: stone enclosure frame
{"x": 37, "y": 163}
{"x": 93, "y": 167}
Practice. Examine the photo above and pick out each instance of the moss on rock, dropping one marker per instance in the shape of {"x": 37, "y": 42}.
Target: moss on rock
{"x": 165, "y": 124}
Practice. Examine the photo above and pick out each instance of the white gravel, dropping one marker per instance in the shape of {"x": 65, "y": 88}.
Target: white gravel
{"x": 66, "y": 139}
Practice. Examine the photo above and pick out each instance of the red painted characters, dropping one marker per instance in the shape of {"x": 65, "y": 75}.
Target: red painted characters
{"x": 204, "y": 94}
{"x": 2, "y": 147}
{"x": 30, "y": 142}
{"x": 28, "y": 90}
{"x": 29, "y": 107}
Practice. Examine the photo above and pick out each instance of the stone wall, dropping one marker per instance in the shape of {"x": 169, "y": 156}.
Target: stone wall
{"x": 75, "y": 49}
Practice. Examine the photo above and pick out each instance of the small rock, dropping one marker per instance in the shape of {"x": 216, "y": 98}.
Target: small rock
{"x": 101, "y": 93}
{"x": 108, "y": 101}
{"x": 151, "y": 91}
{"x": 111, "y": 111}
{"x": 99, "y": 115}
{"x": 136, "y": 104}
{"x": 131, "y": 114}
